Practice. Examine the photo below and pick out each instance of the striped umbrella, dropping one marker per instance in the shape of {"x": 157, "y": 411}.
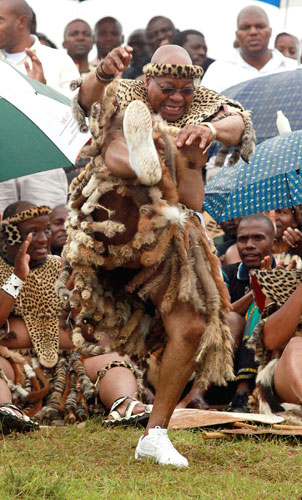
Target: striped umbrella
{"x": 37, "y": 130}
{"x": 272, "y": 180}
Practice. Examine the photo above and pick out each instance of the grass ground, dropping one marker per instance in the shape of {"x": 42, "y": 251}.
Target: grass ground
{"x": 89, "y": 462}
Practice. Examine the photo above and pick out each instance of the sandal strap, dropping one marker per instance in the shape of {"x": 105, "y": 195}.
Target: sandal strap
{"x": 130, "y": 407}
{"x": 118, "y": 402}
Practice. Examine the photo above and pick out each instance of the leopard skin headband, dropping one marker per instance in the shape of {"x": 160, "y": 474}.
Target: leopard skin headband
{"x": 9, "y": 225}
{"x": 189, "y": 71}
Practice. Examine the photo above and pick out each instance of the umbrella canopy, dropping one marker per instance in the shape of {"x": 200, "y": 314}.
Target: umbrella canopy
{"x": 266, "y": 95}
{"x": 272, "y": 180}
{"x": 37, "y": 130}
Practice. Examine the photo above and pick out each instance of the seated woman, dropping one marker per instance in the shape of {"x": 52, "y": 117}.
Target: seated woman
{"x": 278, "y": 344}
{"x": 288, "y": 236}
{"x": 52, "y": 381}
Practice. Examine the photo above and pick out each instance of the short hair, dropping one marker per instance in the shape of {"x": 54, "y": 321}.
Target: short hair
{"x": 156, "y": 18}
{"x": 254, "y": 8}
{"x": 12, "y": 209}
{"x": 104, "y": 19}
{"x": 260, "y": 218}
{"x": 73, "y": 21}
{"x": 181, "y": 37}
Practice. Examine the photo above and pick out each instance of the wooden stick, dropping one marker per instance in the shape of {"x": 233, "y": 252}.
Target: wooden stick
{"x": 215, "y": 435}
{"x": 245, "y": 425}
{"x": 288, "y": 427}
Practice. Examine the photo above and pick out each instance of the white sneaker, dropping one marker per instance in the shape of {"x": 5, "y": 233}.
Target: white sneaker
{"x": 143, "y": 157}
{"x": 157, "y": 445}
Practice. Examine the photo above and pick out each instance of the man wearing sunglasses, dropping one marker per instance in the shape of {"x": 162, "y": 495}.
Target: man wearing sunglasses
{"x": 153, "y": 230}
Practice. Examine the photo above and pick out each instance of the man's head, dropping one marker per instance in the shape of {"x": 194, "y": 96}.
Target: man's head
{"x": 253, "y": 31}
{"x": 169, "y": 95}
{"x": 285, "y": 217}
{"x": 141, "y": 50}
{"x": 160, "y": 31}
{"x": 78, "y": 39}
{"x": 15, "y": 25}
{"x": 20, "y": 219}
{"x": 57, "y": 226}
{"x": 194, "y": 43}
{"x": 255, "y": 238}
{"x": 108, "y": 35}
{"x": 289, "y": 45}
{"x": 230, "y": 227}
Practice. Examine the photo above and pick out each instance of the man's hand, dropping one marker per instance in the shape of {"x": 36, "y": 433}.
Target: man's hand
{"x": 293, "y": 238}
{"x": 22, "y": 259}
{"x": 117, "y": 60}
{"x": 191, "y": 133}
{"x": 36, "y": 70}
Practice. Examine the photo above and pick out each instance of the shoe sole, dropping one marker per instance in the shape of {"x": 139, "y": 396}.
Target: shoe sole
{"x": 139, "y": 455}
{"x": 133, "y": 420}
{"x": 143, "y": 157}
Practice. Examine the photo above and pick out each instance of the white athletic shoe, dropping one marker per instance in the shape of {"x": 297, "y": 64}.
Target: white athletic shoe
{"x": 143, "y": 157}
{"x": 157, "y": 445}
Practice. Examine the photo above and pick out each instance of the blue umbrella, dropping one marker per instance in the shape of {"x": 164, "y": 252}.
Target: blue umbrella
{"x": 266, "y": 95}
{"x": 272, "y": 180}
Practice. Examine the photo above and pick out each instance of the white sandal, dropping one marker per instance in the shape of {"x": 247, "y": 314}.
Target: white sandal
{"x": 128, "y": 418}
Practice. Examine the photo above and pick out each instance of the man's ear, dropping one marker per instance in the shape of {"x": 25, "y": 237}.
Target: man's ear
{"x": 147, "y": 81}
{"x": 64, "y": 44}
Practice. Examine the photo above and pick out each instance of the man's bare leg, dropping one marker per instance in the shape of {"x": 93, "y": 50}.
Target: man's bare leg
{"x": 184, "y": 328}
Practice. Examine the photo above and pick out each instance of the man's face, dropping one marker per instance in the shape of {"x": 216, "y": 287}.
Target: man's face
{"x": 230, "y": 226}
{"x": 9, "y": 28}
{"x": 287, "y": 46}
{"x": 171, "y": 107}
{"x": 57, "y": 227}
{"x": 40, "y": 244}
{"x": 78, "y": 39}
{"x": 284, "y": 218}
{"x": 254, "y": 242}
{"x": 108, "y": 35}
{"x": 160, "y": 32}
{"x": 253, "y": 33}
{"x": 196, "y": 46}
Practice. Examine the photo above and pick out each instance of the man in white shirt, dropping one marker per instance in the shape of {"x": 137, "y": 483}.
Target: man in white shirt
{"x": 253, "y": 58}
{"x": 50, "y": 66}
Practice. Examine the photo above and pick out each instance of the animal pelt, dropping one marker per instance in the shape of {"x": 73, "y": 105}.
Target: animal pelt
{"x": 264, "y": 399}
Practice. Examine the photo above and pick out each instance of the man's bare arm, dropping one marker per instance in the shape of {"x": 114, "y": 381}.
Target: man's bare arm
{"x": 92, "y": 88}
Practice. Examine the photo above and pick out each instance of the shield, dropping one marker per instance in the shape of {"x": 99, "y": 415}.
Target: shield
{"x": 272, "y": 180}
{"x": 37, "y": 130}
{"x": 266, "y": 95}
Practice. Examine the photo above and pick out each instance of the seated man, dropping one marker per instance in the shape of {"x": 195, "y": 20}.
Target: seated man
{"x": 277, "y": 344}
{"x": 50, "y": 383}
{"x": 255, "y": 238}
{"x": 132, "y": 231}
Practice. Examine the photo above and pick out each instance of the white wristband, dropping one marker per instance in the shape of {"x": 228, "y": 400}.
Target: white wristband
{"x": 13, "y": 285}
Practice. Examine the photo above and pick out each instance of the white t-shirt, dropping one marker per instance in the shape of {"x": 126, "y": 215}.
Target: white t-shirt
{"x": 59, "y": 69}
{"x": 223, "y": 74}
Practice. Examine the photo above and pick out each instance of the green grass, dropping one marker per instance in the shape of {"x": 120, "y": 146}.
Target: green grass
{"x": 93, "y": 463}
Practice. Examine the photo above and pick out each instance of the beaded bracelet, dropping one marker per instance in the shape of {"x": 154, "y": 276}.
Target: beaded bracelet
{"x": 13, "y": 285}
{"x": 101, "y": 76}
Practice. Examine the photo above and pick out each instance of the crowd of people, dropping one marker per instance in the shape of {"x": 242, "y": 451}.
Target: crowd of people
{"x": 115, "y": 299}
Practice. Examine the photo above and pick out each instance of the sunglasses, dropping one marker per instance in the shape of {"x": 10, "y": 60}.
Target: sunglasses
{"x": 171, "y": 90}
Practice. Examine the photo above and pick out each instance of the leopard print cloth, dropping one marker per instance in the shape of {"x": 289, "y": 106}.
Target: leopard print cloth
{"x": 39, "y": 307}
{"x": 189, "y": 71}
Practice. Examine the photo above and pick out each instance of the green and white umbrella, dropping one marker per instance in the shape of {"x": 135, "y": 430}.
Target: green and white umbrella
{"x": 37, "y": 129}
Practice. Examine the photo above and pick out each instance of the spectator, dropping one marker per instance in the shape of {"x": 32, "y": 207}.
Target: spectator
{"x": 140, "y": 56}
{"x": 28, "y": 55}
{"x": 255, "y": 238}
{"x": 108, "y": 34}
{"x": 160, "y": 31}
{"x": 57, "y": 220}
{"x": 278, "y": 350}
{"x": 31, "y": 309}
{"x": 253, "y": 58}
{"x": 78, "y": 42}
{"x": 288, "y": 45}
{"x": 194, "y": 42}
{"x": 223, "y": 242}
{"x": 288, "y": 243}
